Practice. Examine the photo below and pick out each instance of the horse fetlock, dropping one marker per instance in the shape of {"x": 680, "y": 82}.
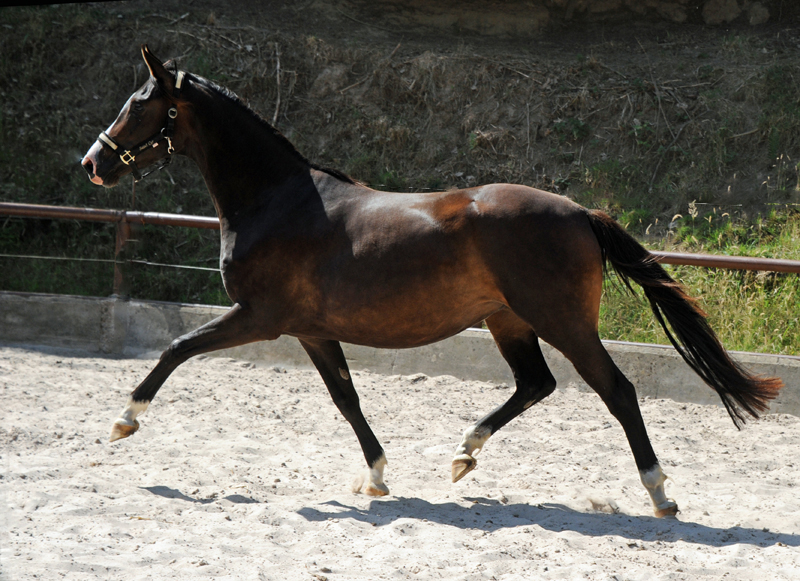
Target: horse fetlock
{"x": 373, "y": 489}
{"x": 473, "y": 440}
{"x": 653, "y": 480}
{"x": 362, "y": 483}
{"x": 371, "y": 481}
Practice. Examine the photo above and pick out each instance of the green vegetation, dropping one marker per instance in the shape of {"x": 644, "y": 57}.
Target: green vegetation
{"x": 781, "y": 109}
{"x": 750, "y": 311}
{"x": 390, "y": 181}
{"x": 572, "y": 129}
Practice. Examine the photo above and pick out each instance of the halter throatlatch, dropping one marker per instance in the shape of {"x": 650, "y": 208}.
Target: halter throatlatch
{"x": 128, "y": 156}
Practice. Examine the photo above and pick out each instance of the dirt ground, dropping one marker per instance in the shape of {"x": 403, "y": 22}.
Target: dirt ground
{"x": 243, "y": 472}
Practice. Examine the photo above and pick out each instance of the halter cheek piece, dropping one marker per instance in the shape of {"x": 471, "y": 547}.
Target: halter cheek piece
{"x": 128, "y": 156}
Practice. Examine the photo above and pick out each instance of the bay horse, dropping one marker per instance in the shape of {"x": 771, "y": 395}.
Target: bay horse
{"x": 308, "y": 252}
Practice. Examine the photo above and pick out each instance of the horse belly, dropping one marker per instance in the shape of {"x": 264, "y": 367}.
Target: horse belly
{"x": 407, "y": 311}
{"x": 384, "y": 329}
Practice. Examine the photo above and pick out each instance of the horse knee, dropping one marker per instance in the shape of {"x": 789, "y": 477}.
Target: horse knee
{"x": 621, "y": 400}
{"x": 548, "y": 387}
{"x": 176, "y": 350}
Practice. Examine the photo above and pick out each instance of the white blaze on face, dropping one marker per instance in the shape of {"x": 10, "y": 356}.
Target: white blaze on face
{"x": 97, "y": 146}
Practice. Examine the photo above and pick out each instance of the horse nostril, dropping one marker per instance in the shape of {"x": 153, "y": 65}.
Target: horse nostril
{"x": 88, "y": 165}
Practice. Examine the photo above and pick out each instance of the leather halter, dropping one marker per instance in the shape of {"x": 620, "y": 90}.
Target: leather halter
{"x": 128, "y": 156}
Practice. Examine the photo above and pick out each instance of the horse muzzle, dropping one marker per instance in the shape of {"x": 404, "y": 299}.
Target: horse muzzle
{"x": 90, "y": 163}
{"x": 102, "y": 169}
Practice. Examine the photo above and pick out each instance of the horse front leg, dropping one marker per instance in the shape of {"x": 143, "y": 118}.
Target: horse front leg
{"x": 329, "y": 360}
{"x": 236, "y": 327}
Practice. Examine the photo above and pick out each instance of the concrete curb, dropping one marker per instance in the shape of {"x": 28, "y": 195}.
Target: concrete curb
{"x": 136, "y": 328}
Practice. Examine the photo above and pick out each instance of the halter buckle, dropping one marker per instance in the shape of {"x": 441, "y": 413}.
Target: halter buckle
{"x": 127, "y": 158}
{"x": 170, "y": 149}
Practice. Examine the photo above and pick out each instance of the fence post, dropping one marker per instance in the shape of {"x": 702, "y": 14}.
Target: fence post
{"x": 121, "y": 274}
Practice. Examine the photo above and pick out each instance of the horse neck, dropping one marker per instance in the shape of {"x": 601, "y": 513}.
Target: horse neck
{"x": 242, "y": 159}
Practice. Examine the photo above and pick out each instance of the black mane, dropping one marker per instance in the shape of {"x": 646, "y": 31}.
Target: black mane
{"x": 234, "y": 98}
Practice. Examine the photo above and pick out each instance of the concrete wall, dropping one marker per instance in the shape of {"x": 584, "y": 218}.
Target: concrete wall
{"x": 136, "y": 328}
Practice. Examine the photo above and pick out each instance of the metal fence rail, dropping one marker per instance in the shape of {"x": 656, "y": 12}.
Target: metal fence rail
{"x": 730, "y": 262}
{"x": 95, "y": 215}
{"x": 124, "y": 218}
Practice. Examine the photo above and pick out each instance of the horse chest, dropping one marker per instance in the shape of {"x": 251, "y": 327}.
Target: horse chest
{"x": 263, "y": 268}
{"x": 238, "y": 259}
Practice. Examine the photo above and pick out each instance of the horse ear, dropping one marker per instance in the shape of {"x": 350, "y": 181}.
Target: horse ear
{"x": 157, "y": 70}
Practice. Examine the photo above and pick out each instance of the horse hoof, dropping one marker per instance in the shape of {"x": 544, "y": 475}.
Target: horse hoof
{"x": 668, "y": 508}
{"x": 376, "y": 489}
{"x": 122, "y": 429}
{"x": 463, "y": 465}
{"x": 361, "y": 483}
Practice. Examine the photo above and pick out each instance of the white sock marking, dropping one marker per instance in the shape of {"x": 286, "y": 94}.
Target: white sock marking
{"x": 653, "y": 481}
{"x": 473, "y": 441}
{"x": 132, "y": 409}
{"x": 376, "y": 471}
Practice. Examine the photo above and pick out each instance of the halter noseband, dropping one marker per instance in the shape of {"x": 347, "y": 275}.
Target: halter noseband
{"x": 128, "y": 157}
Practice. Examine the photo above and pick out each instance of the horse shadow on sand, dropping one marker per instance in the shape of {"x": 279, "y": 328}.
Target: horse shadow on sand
{"x": 489, "y": 515}
{"x": 167, "y": 492}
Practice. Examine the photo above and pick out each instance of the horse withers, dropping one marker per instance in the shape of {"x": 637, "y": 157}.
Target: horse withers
{"x": 308, "y": 252}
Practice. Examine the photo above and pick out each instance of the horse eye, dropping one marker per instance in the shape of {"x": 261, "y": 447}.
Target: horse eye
{"x": 138, "y": 107}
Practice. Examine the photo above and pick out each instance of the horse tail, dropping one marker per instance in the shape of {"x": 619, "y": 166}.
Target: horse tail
{"x": 740, "y": 390}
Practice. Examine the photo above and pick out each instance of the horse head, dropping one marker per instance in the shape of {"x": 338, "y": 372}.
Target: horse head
{"x": 145, "y": 132}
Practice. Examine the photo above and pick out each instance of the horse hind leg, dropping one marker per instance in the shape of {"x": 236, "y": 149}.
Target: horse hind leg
{"x": 594, "y": 364}
{"x": 329, "y": 360}
{"x": 519, "y": 346}
{"x": 565, "y": 313}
